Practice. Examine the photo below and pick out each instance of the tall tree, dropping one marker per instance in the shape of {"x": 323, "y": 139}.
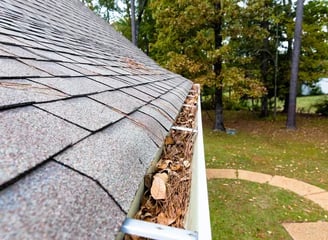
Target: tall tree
{"x": 259, "y": 31}
{"x": 133, "y": 24}
{"x": 266, "y": 57}
{"x": 254, "y": 44}
{"x": 144, "y": 27}
{"x": 217, "y": 25}
{"x": 314, "y": 49}
{"x": 132, "y": 15}
{"x": 230, "y": 46}
{"x": 194, "y": 39}
{"x": 291, "y": 118}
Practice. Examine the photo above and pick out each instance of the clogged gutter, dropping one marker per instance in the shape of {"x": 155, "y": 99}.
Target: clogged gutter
{"x": 167, "y": 190}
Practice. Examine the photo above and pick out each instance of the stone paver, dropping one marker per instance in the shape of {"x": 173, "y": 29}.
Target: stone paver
{"x": 319, "y": 198}
{"x": 307, "y": 231}
{"x": 254, "y": 176}
{"x": 298, "y": 231}
{"x": 298, "y": 187}
{"x": 221, "y": 173}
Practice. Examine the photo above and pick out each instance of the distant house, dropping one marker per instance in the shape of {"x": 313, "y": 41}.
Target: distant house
{"x": 83, "y": 113}
{"x": 322, "y": 84}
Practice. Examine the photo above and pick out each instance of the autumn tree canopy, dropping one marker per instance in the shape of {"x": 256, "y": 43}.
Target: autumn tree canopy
{"x": 240, "y": 47}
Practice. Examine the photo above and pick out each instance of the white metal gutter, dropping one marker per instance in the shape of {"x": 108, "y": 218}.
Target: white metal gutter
{"x": 198, "y": 217}
{"x": 197, "y": 220}
{"x": 156, "y": 231}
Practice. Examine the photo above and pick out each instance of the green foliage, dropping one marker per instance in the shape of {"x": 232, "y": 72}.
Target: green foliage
{"x": 146, "y": 32}
{"x": 234, "y": 105}
{"x": 183, "y": 42}
{"x": 322, "y": 107}
{"x": 186, "y": 45}
{"x": 104, "y": 8}
{"x": 180, "y": 36}
{"x": 316, "y": 90}
{"x": 314, "y": 61}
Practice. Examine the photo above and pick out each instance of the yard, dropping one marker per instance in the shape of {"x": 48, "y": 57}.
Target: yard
{"x": 245, "y": 210}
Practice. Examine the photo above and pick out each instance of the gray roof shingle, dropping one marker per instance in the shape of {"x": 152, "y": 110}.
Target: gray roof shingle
{"x": 119, "y": 100}
{"x": 116, "y": 157}
{"x": 29, "y": 136}
{"x": 57, "y": 203}
{"x": 16, "y": 91}
{"x": 83, "y": 113}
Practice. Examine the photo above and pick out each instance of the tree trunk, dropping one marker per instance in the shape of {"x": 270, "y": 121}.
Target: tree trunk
{"x": 141, "y": 8}
{"x": 264, "y": 106}
{"x": 265, "y": 58}
{"x": 218, "y": 125}
{"x": 291, "y": 117}
{"x": 285, "y": 69}
{"x": 289, "y": 57}
{"x": 219, "y": 110}
{"x": 133, "y": 23}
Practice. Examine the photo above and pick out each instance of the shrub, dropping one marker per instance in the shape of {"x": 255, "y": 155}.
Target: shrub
{"x": 322, "y": 107}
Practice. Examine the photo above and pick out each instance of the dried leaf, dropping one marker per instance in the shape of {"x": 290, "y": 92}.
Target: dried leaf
{"x": 163, "y": 219}
{"x": 175, "y": 167}
{"x": 163, "y": 164}
{"x": 166, "y": 201}
{"x": 131, "y": 237}
{"x": 169, "y": 140}
{"x": 158, "y": 188}
{"x": 147, "y": 180}
{"x": 186, "y": 163}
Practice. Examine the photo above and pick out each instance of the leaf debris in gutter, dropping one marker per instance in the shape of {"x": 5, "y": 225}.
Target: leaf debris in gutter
{"x": 167, "y": 190}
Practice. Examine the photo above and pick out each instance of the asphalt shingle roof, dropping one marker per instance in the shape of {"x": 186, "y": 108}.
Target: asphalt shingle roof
{"x": 83, "y": 113}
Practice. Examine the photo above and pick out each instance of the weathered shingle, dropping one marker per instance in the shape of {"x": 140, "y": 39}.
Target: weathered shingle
{"x": 56, "y": 203}
{"x": 18, "y": 69}
{"x": 119, "y": 100}
{"x": 137, "y": 94}
{"x": 17, "y": 91}
{"x": 30, "y": 136}
{"x": 15, "y": 51}
{"x": 161, "y": 116}
{"x": 73, "y": 86}
{"x": 83, "y": 113}
{"x": 110, "y": 81}
{"x": 167, "y": 107}
{"x": 51, "y": 68}
{"x": 153, "y": 128}
{"x": 117, "y": 157}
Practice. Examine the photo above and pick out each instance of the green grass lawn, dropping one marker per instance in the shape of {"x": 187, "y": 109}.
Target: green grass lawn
{"x": 306, "y": 104}
{"x": 246, "y": 210}
{"x": 264, "y": 146}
